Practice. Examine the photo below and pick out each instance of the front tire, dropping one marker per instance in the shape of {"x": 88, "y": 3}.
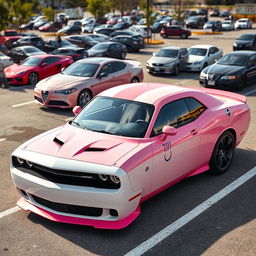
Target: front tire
{"x": 241, "y": 85}
{"x": 135, "y": 80}
{"x": 223, "y": 153}
{"x": 33, "y": 78}
{"x": 177, "y": 70}
{"x": 83, "y": 98}
{"x": 183, "y": 36}
{"x": 123, "y": 54}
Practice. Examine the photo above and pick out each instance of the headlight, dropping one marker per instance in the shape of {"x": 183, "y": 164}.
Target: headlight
{"x": 20, "y": 73}
{"x": 112, "y": 179}
{"x": 203, "y": 75}
{"x": 66, "y": 91}
{"x": 235, "y": 44}
{"x": 197, "y": 63}
{"x": 228, "y": 77}
{"x": 20, "y": 162}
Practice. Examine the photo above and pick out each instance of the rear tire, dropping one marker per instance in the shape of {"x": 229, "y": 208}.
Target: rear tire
{"x": 223, "y": 153}
{"x": 135, "y": 80}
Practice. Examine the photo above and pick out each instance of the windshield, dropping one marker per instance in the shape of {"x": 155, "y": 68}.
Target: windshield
{"x": 197, "y": 51}
{"x": 116, "y": 116}
{"x": 32, "y": 49}
{"x": 81, "y": 69}
{"x": 100, "y": 47}
{"x": 234, "y": 60}
{"x": 11, "y": 33}
{"x": 242, "y": 21}
{"x": 32, "y": 61}
{"x": 192, "y": 18}
{"x": 169, "y": 53}
{"x": 1, "y": 54}
{"x": 65, "y": 42}
{"x": 246, "y": 37}
{"x": 226, "y": 22}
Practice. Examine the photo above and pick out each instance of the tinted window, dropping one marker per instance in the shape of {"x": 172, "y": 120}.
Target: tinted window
{"x": 118, "y": 66}
{"x": 252, "y": 60}
{"x": 51, "y": 60}
{"x": 174, "y": 114}
{"x": 32, "y": 61}
{"x": 81, "y": 69}
{"x": 170, "y": 53}
{"x": 197, "y": 51}
{"x": 247, "y": 37}
{"x": 107, "y": 69}
{"x": 234, "y": 59}
{"x": 195, "y": 107}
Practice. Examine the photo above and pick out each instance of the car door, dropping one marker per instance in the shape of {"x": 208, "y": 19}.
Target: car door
{"x": 112, "y": 51}
{"x": 177, "y": 155}
{"x": 120, "y": 73}
{"x": 214, "y": 55}
{"x": 251, "y": 71}
{"x": 50, "y": 66}
{"x": 183, "y": 56}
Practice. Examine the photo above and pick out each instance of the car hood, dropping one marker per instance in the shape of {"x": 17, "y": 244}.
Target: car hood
{"x": 161, "y": 60}
{"x": 15, "y": 68}
{"x": 92, "y": 52}
{"x": 243, "y": 42}
{"x": 82, "y": 145}
{"x": 195, "y": 58}
{"x": 219, "y": 69}
{"x": 67, "y": 81}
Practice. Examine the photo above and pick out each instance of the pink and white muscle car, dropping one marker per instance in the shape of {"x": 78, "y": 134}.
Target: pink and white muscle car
{"x": 128, "y": 144}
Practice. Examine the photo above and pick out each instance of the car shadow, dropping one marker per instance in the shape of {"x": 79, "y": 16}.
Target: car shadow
{"x": 165, "y": 208}
{"x": 58, "y": 111}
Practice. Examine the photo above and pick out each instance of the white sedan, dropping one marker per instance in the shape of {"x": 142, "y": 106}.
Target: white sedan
{"x": 228, "y": 25}
{"x": 243, "y": 23}
{"x": 201, "y": 56}
{"x": 5, "y": 61}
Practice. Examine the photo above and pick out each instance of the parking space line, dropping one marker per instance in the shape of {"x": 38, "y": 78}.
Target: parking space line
{"x": 23, "y": 104}
{"x": 3, "y": 139}
{"x": 9, "y": 211}
{"x": 170, "y": 229}
{"x": 184, "y": 81}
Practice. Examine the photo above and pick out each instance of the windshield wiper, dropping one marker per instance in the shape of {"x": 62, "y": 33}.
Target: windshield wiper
{"x": 103, "y": 131}
{"x": 78, "y": 124}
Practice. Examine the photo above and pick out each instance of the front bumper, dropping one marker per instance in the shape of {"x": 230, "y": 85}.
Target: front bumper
{"x": 219, "y": 83}
{"x": 51, "y": 99}
{"x": 160, "y": 69}
{"x": 16, "y": 79}
{"x": 73, "y": 203}
{"x": 194, "y": 67}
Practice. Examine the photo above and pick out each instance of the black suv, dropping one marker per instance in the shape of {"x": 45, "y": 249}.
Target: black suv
{"x": 195, "y": 22}
{"x": 32, "y": 41}
{"x": 245, "y": 42}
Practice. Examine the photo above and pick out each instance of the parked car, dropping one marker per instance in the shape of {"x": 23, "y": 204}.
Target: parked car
{"x": 9, "y": 37}
{"x": 108, "y": 49}
{"x": 156, "y": 27}
{"x": 142, "y": 30}
{"x": 88, "y": 28}
{"x": 5, "y": 61}
{"x": 74, "y": 52}
{"x": 195, "y": 22}
{"x": 121, "y": 25}
{"x": 202, "y": 11}
{"x": 175, "y": 31}
{"x": 52, "y": 45}
{"x": 81, "y": 41}
{"x": 22, "y": 52}
{"x": 125, "y": 32}
{"x": 99, "y": 37}
{"x": 200, "y": 56}
{"x": 39, "y": 23}
{"x": 35, "y": 68}
{"x": 31, "y": 41}
{"x": 227, "y": 25}
{"x": 84, "y": 79}
{"x": 213, "y": 25}
{"x": 233, "y": 71}
{"x": 243, "y": 23}
{"x": 215, "y": 12}
{"x": 224, "y": 14}
{"x": 126, "y": 145}
{"x": 104, "y": 31}
{"x": 245, "y": 42}
{"x": 51, "y": 27}
{"x": 132, "y": 43}
{"x": 71, "y": 29}
{"x": 168, "y": 60}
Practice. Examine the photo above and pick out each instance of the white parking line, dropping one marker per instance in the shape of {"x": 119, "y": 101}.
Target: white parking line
{"x": 3, "y": 139}
{"x": 9, "y": 211}
{"x": 183, "y": 81}
{"x": 249, "y": 93}
{"x": 24, "y": 103}
{"x": 170, "y": 229}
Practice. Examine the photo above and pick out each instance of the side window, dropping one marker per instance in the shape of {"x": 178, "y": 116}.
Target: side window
{"x": 195, "y": 107}
{"x": 252, "y": 61}
{"x": 51, "y": 60}
{"x": 112, "y": 47}
{"x": 107, "y": 68}
{"x": 118, "y": 66}
{"x": 174, "y": 114}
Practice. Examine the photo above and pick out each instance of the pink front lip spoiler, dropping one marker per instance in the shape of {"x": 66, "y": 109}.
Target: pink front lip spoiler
{"x": 119, "y": 224}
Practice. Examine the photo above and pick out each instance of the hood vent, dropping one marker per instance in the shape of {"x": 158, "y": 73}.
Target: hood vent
{"x": 94, "y": 149}
{"x": 58, "y": 141}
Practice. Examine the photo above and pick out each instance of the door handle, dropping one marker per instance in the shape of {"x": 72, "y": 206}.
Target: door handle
{"x": 193, "y": 132}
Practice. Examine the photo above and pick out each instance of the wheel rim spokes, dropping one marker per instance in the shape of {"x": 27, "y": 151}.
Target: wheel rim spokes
{"x": 84, "y": 98}
{"x": 224, "y": 152}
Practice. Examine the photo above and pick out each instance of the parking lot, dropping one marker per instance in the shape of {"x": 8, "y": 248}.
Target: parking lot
{"x": 226, "y": 226}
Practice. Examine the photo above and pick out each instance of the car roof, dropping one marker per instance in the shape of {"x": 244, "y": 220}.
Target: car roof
{"x": 145, "y": 92}
{"x": 245, "y": 53}
{"x": 204, "y": 46}
{"x": 97, "y": 60}
{"x": 172, "y": 47}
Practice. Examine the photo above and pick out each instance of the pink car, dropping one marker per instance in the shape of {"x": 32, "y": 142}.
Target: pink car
{"x": 128, "y": 144}
{"x": 84, "y": 79}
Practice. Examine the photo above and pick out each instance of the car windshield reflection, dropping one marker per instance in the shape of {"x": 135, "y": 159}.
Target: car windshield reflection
{"x": 32, "y": 61}
{"x": 81, "y": 69}
{"x": 116, "y": 116}
{"x": 167, "y": 53}
{"x": 233, "y": 60}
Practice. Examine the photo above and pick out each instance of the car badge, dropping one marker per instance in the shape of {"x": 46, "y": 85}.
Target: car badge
{"x": 228, "y": 112}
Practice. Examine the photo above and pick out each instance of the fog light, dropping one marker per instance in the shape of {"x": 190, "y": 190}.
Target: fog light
{"x": 115, "y": 179}
{"x": 20, "y": 160}
{"x": 103, "y": 177}
{"x": 113, "y": 212}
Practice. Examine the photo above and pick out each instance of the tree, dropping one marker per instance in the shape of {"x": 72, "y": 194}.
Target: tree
{"x": 179, "y": 8}
{"x": 21, "y": 12}
{"x": 76, "y": 3}
{"x": 98, "y": 8}
{"x": 5, "y": 15}
{"x": 124, "y": 5}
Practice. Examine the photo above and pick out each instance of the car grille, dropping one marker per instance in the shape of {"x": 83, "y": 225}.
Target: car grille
{"x": 69, "y": 208}
{"x": 213, "y": 77}
{"x": 45, "y": 95}
{"x": 157, "y": 64}
{"x": 66, "y": 177}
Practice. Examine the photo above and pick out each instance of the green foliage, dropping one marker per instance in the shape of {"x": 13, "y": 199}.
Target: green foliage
{"x": 76, "y": 3}
{"x": 5, "y": 15}
{"x": 48, "y": 13}
{"x": 124, "y": 5}
{"x": 98, "y": 8}
{"x": 150, "y": 18}
{"x": 179, "y": 7}
{"x": 21, "y": 12}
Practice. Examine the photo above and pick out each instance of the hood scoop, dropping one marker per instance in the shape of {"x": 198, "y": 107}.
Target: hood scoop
{"x": 94, "y": 149}
{"x": 63, "y": 137}
{"x": 58, "y": 141}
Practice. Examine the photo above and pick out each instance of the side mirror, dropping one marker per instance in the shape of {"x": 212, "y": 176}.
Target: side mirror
{"x": 43, "y": 65}
{"x": 76, "y": 110}
{"x": 62, "y": 69}
{"x": 101, "y": 75}
{"x": 168, "y": 130}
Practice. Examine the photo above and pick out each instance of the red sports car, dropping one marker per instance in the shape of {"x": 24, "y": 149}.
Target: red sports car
{"x": 36, "y": 68}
